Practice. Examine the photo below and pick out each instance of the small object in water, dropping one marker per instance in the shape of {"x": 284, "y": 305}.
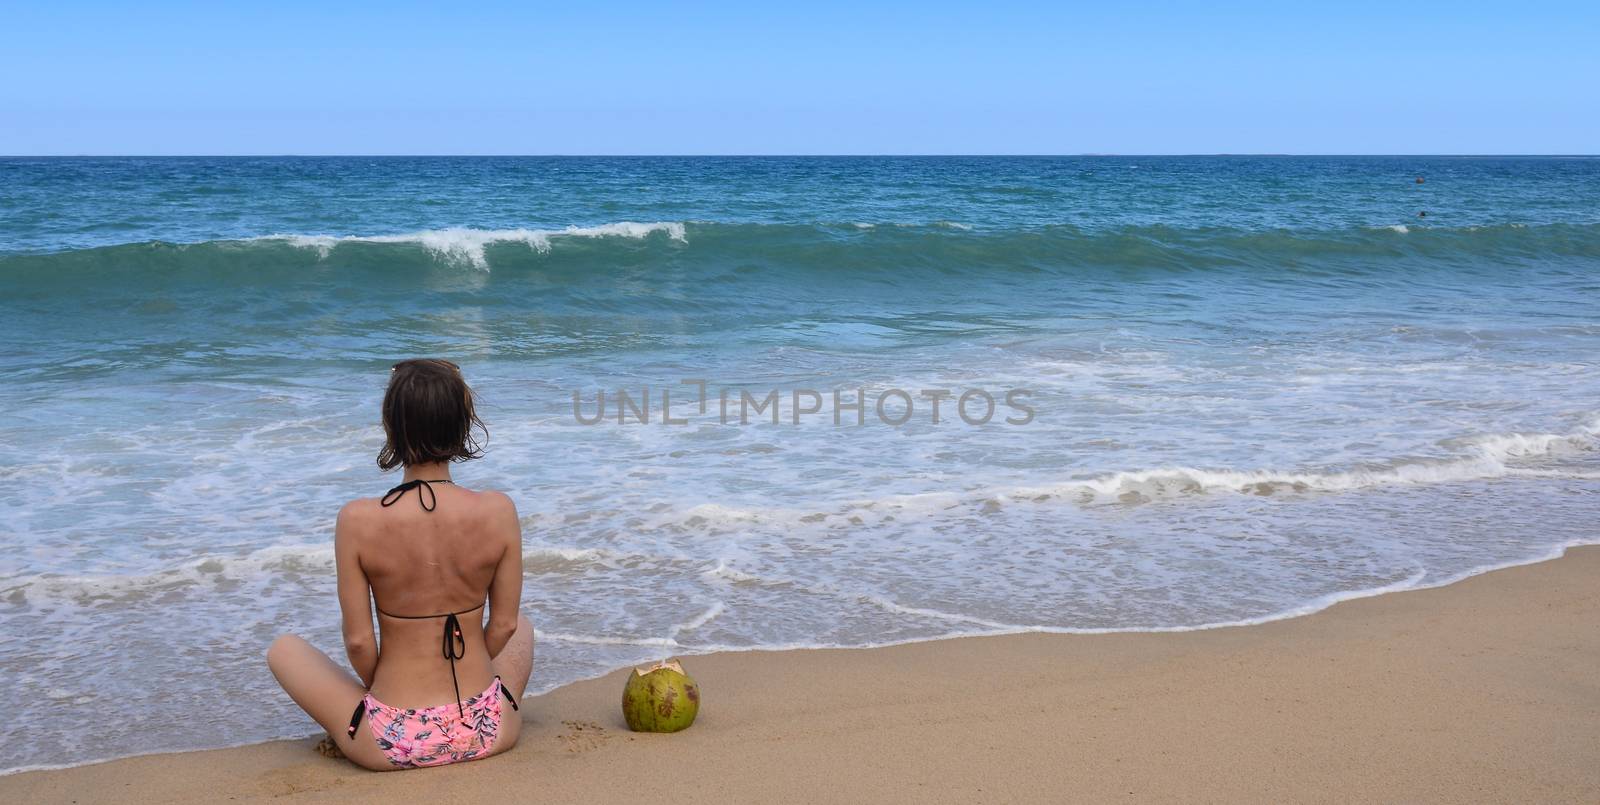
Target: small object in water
{"x": 1423, "y": 214}
{"x": 1419, "y": 180}
{"x": 660, "y": 698}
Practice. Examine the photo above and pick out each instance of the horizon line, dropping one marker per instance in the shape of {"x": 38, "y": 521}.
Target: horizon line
{"x": 1101, "y": 154}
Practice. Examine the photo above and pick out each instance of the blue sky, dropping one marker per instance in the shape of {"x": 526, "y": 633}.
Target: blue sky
{"x": 724, "y": 78}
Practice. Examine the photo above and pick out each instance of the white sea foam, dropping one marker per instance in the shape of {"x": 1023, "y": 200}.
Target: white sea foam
{"x": 697, "y": 621}
{"x": 1483, "y": 458}
{"x": 1502, "y": 447}
{"x": 725, "y": 573}
{"x": 1416, "y": 580}
{"x": 1171, "y": 482}
{"x": 1488, "y": 458}
{"x": 208, "y": 570}
{"x": 1479, "y": 458}
{"x": 267, "y": 565}
{"x": 599, "y": 556}
{"x": 890, "y": 605}
{"x": 467, "y": 246}
{"x": 603, "y": 640}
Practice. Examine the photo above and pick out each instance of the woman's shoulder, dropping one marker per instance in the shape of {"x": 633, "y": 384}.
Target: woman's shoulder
{"x": 494, "y": 503}
{"x": 496, "y": 514}
{"x": 358, "y": 512}
{"x": 489, "y": 503}
{"x": 494, "y": 497}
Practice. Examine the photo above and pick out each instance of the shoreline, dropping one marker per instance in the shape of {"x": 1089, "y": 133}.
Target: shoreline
{"x": 1315, "y": 606}
{"x": 1032, "y": 695}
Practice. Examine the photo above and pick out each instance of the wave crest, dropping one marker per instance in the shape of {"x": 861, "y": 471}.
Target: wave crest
{"x": 883, "y": 246}
{"x": 463, "y": 245}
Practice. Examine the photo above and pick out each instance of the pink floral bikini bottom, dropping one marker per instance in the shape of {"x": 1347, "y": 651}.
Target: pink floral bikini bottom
{"x": 434, "y": 736}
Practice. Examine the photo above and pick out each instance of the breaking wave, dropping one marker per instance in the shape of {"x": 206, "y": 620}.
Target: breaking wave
{"x": 827, "y": 247}
{"x": 460, "y": 245}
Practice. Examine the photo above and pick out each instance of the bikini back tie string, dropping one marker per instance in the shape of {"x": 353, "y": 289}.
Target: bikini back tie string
{"x": 425, "y": 493}
{"x": 455, "y": 646}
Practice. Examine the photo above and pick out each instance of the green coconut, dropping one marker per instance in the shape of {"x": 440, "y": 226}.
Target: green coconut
{"x": 660, "y": 698}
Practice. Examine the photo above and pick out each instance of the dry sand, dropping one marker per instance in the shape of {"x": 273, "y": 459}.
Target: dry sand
{"x": 1485, "y": 690}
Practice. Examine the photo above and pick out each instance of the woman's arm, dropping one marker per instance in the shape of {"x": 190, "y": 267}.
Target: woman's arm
{"x": 505, "y": 591}
{"x": 355, "y": 600}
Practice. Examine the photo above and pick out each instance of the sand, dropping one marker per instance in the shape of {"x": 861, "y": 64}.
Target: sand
{"x": 1485, "y": 690}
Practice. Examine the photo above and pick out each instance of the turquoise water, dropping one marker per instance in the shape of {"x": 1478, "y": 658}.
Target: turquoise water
{"x": 1258, "y": 385}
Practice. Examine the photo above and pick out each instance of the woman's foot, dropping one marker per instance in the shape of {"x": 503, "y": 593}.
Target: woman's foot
{"x": 328, "y": 748}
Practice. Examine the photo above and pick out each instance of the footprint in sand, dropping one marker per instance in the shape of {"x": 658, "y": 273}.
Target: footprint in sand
{"x": 327, "y": 748}
{"x": 582, "y": 736}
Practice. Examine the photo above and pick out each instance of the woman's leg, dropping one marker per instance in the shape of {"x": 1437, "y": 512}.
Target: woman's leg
{"x": 328, "y": 693}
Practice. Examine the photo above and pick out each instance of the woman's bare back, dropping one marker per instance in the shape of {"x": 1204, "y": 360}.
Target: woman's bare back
{"x": 421, "y": 563}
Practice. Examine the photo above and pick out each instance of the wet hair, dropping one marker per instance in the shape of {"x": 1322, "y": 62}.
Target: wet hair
{"x": 428, "y": 415}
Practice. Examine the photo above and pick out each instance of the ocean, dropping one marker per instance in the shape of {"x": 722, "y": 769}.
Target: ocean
{"x": 1172, "y": 393}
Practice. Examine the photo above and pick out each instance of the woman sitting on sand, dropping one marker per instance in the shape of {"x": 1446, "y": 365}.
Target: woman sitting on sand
{"x": 427, "y": 554}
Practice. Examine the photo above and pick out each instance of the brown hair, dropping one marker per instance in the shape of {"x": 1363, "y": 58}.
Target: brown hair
{"x": 428, "y": 415}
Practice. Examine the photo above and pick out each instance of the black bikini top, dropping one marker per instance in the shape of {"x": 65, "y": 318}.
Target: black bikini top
{"x": 455, "y": 646}
{"x": 429, "y": 501}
